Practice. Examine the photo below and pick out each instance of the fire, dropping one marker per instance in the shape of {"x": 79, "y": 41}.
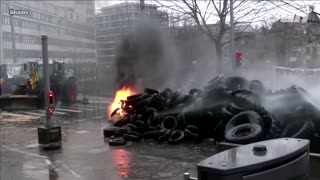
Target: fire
{"x": 121, "y": 94}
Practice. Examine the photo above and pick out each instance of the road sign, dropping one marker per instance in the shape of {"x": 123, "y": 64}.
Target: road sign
{"x": 51, "y": 109}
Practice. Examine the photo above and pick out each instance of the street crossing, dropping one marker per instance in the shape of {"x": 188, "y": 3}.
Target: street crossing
{"x": 59, "y": 111}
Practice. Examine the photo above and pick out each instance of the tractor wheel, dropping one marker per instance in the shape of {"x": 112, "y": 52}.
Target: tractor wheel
{"x": 69, "y": 94}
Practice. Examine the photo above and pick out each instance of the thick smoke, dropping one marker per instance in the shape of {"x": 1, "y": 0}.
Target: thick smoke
{"x": 147, "y": 57}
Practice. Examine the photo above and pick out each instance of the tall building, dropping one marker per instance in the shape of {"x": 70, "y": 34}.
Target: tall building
{"x": 69, "y": 25}
{"x": 114, "y": 21}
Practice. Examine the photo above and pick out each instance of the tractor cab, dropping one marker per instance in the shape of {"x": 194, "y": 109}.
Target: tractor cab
{"x": 27, "y": 79}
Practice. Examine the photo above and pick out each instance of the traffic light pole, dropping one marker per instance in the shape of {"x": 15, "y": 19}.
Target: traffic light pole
{"x": 232, "y": 52}
{"x": 49, "y": 136}
{"x": 44, "y": 39}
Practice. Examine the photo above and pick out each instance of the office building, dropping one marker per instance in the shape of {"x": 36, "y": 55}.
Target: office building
{"x": 69, "y": 25}
{"x": 113, "y": 22}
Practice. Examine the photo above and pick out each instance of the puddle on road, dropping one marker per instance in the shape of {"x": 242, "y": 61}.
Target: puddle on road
{"x": 13, "y": 117}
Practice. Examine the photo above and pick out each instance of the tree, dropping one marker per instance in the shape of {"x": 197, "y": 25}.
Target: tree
{"x": 246, "y": 12}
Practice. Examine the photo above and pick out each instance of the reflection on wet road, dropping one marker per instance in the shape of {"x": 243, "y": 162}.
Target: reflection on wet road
{"x": 84, "y": 154}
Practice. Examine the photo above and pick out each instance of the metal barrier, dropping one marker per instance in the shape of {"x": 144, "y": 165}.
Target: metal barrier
{"x": 284, "y": 74}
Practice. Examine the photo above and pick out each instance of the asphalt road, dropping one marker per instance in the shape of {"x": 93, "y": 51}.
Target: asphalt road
{"x": 84, "y": 154}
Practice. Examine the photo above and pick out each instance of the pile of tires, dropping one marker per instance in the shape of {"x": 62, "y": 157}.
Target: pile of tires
{"x": 227, "y": 109}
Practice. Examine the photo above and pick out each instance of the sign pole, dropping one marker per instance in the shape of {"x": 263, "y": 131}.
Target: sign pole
{"x": 49, "y": 137}
{"x": 44, "y": 39}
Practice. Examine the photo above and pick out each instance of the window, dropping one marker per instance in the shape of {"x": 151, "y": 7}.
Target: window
{"x": 5, "y": 20}
{"x": 115, "y": 23}
{"x": 37, "y": 5}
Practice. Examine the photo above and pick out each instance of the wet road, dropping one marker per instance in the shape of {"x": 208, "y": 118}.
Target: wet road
{"x": 84, "y": 154}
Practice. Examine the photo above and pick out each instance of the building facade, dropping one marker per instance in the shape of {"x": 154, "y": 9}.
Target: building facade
{"x": 113, "y": 22}
{"x": 69, "y": 25}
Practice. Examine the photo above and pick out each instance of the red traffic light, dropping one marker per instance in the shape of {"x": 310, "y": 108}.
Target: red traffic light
{"x": 51, "y": 98}
{"x": 238, "y": 55}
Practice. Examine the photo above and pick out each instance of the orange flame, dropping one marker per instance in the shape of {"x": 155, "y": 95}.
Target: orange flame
{"x": 121, "y": 94}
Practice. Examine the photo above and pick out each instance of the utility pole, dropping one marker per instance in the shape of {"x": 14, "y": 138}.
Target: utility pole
{"x": 232, "y": 53}
{"x": 44, "y": 39}
{"x": 1, "y": 45}
{"x": 49, "y": 136}
{"x": 13, "y": 40}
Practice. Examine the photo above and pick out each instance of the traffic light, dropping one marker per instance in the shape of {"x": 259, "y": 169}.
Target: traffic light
{"x": 238, "y": 56}
{"x": 51, "y": 98}
{"x": 238, "y": 59}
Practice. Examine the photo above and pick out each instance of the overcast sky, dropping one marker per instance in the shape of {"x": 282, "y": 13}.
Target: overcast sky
{"x": 279, "y": 10}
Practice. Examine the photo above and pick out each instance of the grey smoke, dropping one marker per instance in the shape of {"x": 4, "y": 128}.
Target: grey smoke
{"x": 148, "y": 54}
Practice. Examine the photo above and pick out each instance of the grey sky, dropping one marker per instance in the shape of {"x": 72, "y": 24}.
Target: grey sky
{"x": 279, "y": 10}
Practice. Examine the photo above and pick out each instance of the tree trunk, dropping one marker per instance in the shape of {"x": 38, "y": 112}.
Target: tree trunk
{"x": 219, "y": 66}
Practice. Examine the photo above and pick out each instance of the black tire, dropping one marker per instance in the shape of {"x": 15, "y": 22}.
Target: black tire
{"x": 166, "y": 93}
{"x": 181, "y": 120}
{"x": 216, "y": 95}
{"x": 193, "y": 128}
{"x": 124, "y": 130}
{"x": 244, "y": 133}
{"x": 131, "y": 137}
{"x": 139, "y": 123}
{"x": 232, "y": 108}
{"x": 245, "y": 98}
{"x": 244, "y": 118}
{"x": 192, "y": 132}
{"x": 132, "y": 126}
{"x": 153, "y": 134}
{"x": 195, "y": 92}
{"x": 273, "y": 127}
{"x": 133, "y": 100}
{"x": 257, "y": 87}
{"x": 70, "y": 92}
{"x": 143, "y": 104}
{"x": 226, "y": 114}
{"x": 236, "y": 82}
{"x": 164, "y": 136}
{"x": 153, "y": 119}
{"x": 117, "y": 142}
{"x": 215, "y": 82}
{"x": 134, "y": 96}
{"x": 306, "y": 131}
{"x": 176, "y": 136}
{"x": 151, "y": 91}
{"x": 110, "y": 131}
{"x": 169, "y": 123}
{"x": 191, "y": 135}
